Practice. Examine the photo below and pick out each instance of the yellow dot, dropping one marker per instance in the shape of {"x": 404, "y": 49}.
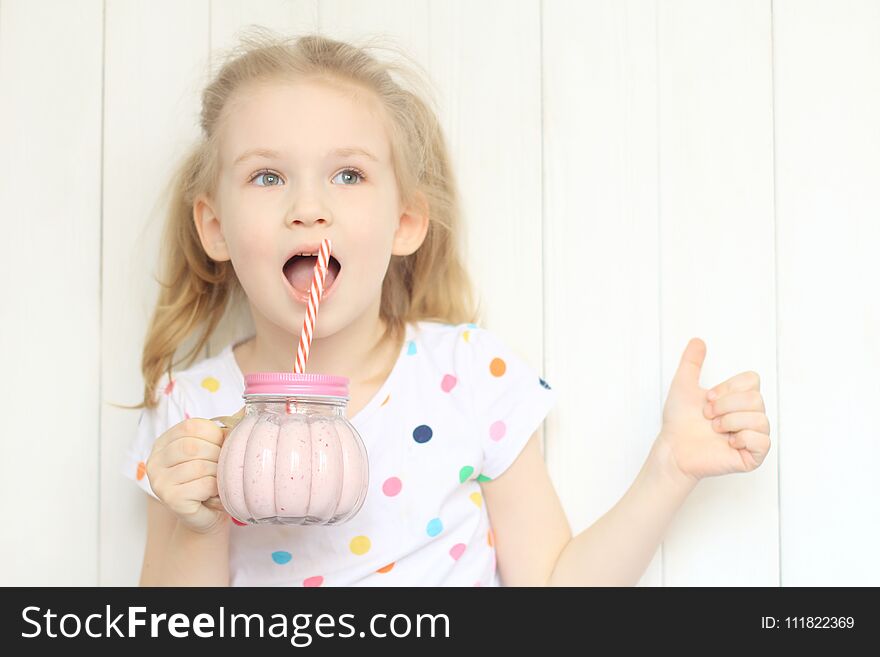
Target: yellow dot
{"x": 386, "y": 400}
{"x": 211, "y": 383}
{"x": 467, "y": 336}
{"x": 497, "y": 367}
{"x": 490, "y": 537}
{"x": 360, "y": 545}
{"x": 477, "y": 499}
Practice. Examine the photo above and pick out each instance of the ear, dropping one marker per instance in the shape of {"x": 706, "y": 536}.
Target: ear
{"x": 412, "y": 227}
{"x": 208, "y": 227}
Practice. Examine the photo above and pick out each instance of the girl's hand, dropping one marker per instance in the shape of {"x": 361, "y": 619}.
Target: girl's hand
{"x": 182, "y": 469}
{"x": 703, "y": 437}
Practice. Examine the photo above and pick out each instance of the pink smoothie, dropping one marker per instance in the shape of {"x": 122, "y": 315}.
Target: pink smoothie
{"x": 230, "y": 479}
{"x": 259, "y": 468}
{"x": 354, "y": 479}
{"x": 326, "y": 469}
{"x": 293, "y": 468}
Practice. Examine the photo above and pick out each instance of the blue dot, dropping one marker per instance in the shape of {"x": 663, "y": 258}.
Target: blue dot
{"x": 411, "y": 349}
{"x": 281, "y": 557}
{"x": 422, "y": 433}
{"x": 544, "y": 383}
{"x": 472, "y": 325}
{"x": 435, "y": 527}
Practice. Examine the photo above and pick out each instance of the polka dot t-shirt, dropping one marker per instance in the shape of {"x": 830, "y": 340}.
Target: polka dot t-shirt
{"x": 456, "y": 410}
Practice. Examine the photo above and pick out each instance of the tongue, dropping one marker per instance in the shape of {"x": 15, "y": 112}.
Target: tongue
{"x": 301, "y": 270}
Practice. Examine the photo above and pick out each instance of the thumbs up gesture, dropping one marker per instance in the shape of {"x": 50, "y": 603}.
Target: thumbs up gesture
{"x": 717, "y": 431}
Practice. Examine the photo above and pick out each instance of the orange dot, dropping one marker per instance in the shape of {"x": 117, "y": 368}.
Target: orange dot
{"x": 386, "y": 400}
{"x": 142, "y": 470}
{"x": 490, "y": 537}
{"x": 385, "y": 569}
{"x": 497, "y": 367}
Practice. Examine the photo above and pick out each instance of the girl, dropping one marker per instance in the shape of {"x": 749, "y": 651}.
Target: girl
{"x": 450, "y": 416}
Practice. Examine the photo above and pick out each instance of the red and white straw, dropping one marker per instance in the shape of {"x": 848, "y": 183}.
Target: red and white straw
{"x": 315, "y": 294}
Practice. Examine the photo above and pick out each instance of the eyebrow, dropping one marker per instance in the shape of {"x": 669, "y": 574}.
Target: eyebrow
{"x": 268, "y": 152}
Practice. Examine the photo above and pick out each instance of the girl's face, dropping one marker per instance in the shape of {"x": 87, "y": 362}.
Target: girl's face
{"x": 329, "y": 176}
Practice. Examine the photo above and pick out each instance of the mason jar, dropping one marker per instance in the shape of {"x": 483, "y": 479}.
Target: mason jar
{"x": 293, "y": 458}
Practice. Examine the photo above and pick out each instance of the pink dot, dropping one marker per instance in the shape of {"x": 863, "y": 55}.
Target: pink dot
{"x": 457, "y": 550}
{"x": 317, "y": 580}
{"x": 392, "y": 486}
{"x": 497, "y": 430}
{"x": 448, "y": 383}
{"x": 186, "y": 415}
{"x": 238, "y": 522}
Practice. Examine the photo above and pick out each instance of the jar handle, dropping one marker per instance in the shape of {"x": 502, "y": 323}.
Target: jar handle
{"x": 227, "y": 422}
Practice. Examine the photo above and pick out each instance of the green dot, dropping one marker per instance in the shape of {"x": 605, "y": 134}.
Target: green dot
{"x": 465, "y": 473}
{"x": 483, "y": 477}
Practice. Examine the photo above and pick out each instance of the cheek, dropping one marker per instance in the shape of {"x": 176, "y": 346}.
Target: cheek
{"x": 249, "y": 248}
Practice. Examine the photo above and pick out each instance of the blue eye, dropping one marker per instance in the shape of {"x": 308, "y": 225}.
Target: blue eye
{"x": 356, "y": 172}
{"x": 265, "y": 173}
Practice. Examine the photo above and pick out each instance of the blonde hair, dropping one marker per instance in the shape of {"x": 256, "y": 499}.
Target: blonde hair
{"x": 429, "y": 284}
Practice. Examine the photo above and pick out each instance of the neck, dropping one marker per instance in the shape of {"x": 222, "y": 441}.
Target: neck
{"x": 355, "y": 351}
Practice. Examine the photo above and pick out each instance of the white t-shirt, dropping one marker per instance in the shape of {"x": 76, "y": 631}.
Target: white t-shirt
{"x": 457, "y": 409}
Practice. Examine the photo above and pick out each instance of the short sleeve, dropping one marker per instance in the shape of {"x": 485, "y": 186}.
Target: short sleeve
{"x": 152, "y": 423}
{"x": 510, "y": 398}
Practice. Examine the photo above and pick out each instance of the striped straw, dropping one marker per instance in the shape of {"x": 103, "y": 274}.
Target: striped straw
{"x": 315, "y": 295}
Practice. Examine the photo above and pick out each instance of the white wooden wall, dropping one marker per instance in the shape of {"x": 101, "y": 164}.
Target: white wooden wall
{"x": 640, "y": 171}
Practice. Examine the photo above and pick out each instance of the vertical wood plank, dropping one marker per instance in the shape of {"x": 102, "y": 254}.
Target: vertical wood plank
{"x": 50, "y": 184}
{"x": 827, "y": 104}
{"x": 486, "y": 65}
{"x": 150, "y": 117}
{"x": 717, "y": 268}
{"x": 601, "y": 250}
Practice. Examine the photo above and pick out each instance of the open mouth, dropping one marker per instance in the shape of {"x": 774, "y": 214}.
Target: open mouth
{"x": 299, "y": 271}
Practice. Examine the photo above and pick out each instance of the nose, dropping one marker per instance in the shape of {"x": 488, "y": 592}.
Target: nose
{"x": 307, "y": 210}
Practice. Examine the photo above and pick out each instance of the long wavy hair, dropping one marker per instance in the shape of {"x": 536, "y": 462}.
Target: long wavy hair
{"x": 429, "y": 284}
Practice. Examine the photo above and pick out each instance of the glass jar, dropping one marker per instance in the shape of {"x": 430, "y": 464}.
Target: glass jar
{"x": 293, "y": 458}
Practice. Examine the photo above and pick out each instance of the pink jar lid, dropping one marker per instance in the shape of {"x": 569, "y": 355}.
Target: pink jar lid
{"x": 292, "y": 384}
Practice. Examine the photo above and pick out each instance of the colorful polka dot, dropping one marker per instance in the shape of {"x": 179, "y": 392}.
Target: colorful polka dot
{"x": 483, "y": 477}
{"x": 281, "y": 557}
{"x": 543, "y": 383}
{"x": 238, "y": 522}
{"x": 457, "y": 550}
{"x": 317, "y": 580}
{"x": 392, "y": 486}
{"x": 422, "y": 433}
{"x": 186, "y": 415}
{"x": 435, "y": 526}
{"x": 360, "y": 545}
{"x": 169, "y": 387}
{"x": 386, "y": 400}
{"x": 411, "y": 348}
{"x": 467, "y": 336}
{"x": 477, "y": 499}
{"x": 386, "y": 569}
{"x": 490, "y": 537}
{"x": 141, "y": 470}
{"x": 497, "y": 430}
{"x": 465, "y": 473}
{"x": 210, "y": 383}
{"x": 497, "y": 367}
{"x": 448, "y": 383}
{"x": 472, "y": 325}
